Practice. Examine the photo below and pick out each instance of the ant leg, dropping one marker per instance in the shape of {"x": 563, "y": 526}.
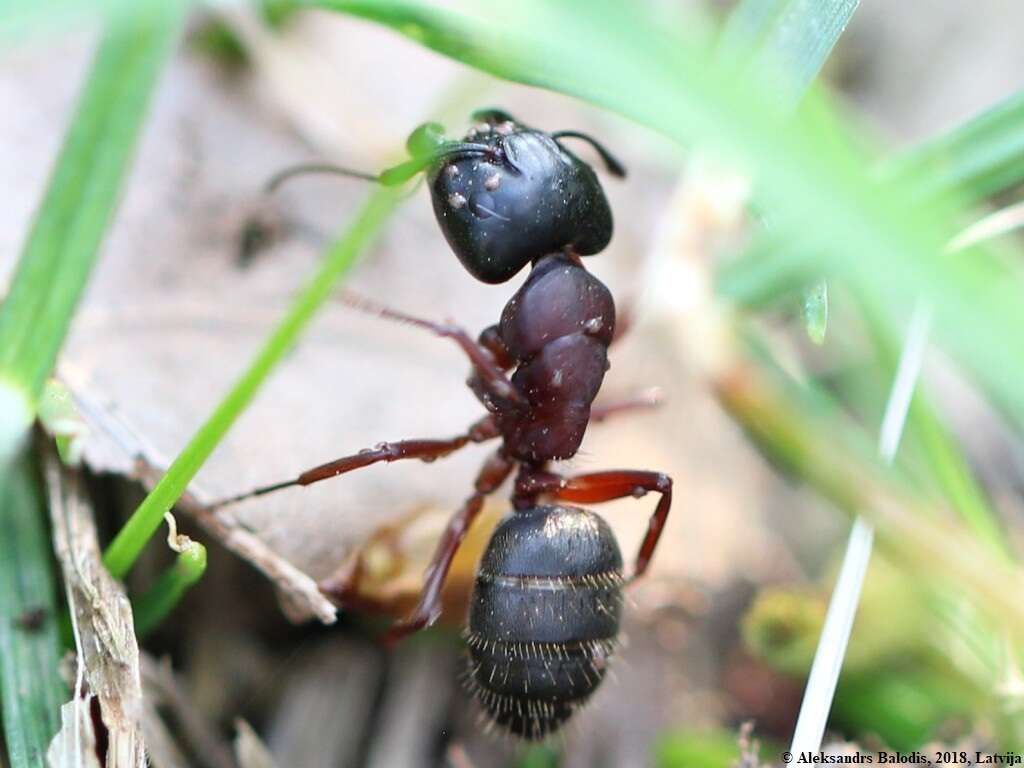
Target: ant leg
{"x": 647, "y": 398}
{"x": 490, "y": 339}
{"x": 596, "y": 487}
{"x": 481, "y": 357}
{"x": 424, "y": 450}
{"x": 428, "y": 609}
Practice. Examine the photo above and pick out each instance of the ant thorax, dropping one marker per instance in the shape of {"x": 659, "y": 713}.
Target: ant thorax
{"x": 556, "y": 330}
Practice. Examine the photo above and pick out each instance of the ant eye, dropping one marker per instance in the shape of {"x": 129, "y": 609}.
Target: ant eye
{"x": 425, "y": 139}
{"x": 509, "y": 156}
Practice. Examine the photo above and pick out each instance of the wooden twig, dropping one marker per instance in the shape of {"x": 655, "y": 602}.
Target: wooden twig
{"x": 302, "y": 598}
{"x": 107, "y": 651}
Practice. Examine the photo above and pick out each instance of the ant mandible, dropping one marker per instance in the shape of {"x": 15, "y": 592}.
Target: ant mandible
{"x": 547, "y": 601}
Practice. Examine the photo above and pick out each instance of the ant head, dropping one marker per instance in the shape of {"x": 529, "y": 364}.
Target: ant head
{"x": 508, "y": 194}
{"x": 504, "y": 196}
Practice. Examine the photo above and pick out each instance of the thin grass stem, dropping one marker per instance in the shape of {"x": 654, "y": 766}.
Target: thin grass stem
{"x": 842, "y": 609}
{"x": 144, "y": 522}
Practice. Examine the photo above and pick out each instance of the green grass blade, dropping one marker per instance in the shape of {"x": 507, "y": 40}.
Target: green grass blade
{"x": 945, "y": 463}
{"x": 786, "y": 41}
{"x": 979, "y": 158}
{"x": 80, "y": 199}
{"x": 747, "y": 26}
{"x": 808, "y": 434}
{"x": 154, "y": 606}
{"x": 30, "y": 684}
{"x": 803, "y": 37}
{"x": 130, "y": 540}
{"x": 955, "y": 478}
{"x": 19, "y": 18}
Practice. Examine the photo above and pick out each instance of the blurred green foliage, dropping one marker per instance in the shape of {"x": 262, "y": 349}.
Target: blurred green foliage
{"x": 539, "y": 756}
{"x": 899, "y": 680}
{"x": 696, "y": 749}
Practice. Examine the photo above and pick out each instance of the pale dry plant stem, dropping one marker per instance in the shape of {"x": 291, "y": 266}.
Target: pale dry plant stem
{"x": 828, "y": 659}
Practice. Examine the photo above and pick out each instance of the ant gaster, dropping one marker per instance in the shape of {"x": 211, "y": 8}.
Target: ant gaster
{"x": 545, "y": 612}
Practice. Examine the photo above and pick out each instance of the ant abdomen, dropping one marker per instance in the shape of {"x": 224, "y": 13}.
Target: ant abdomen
{"x": 544, "y": 618}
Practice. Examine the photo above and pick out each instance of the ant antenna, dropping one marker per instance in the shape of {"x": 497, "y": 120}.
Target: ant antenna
{"x": 615, "y": 168}
{"x": 261, "y": 491}
{"x": 369, "y": 306}
{"x": 303, "y": 169}
{"x": 389, "y": 177}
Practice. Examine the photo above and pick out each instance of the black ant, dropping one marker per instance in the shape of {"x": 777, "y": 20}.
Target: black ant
{"x": 546, "y": 606}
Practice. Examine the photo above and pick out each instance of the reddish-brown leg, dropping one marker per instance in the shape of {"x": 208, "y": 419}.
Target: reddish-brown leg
{"x": 490, "y": 339}
{"x": 428, "y": 609}
{"x": 596, "y": 487}
{"x": 481, "y": 358}
{"x": 424, "y": 450}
